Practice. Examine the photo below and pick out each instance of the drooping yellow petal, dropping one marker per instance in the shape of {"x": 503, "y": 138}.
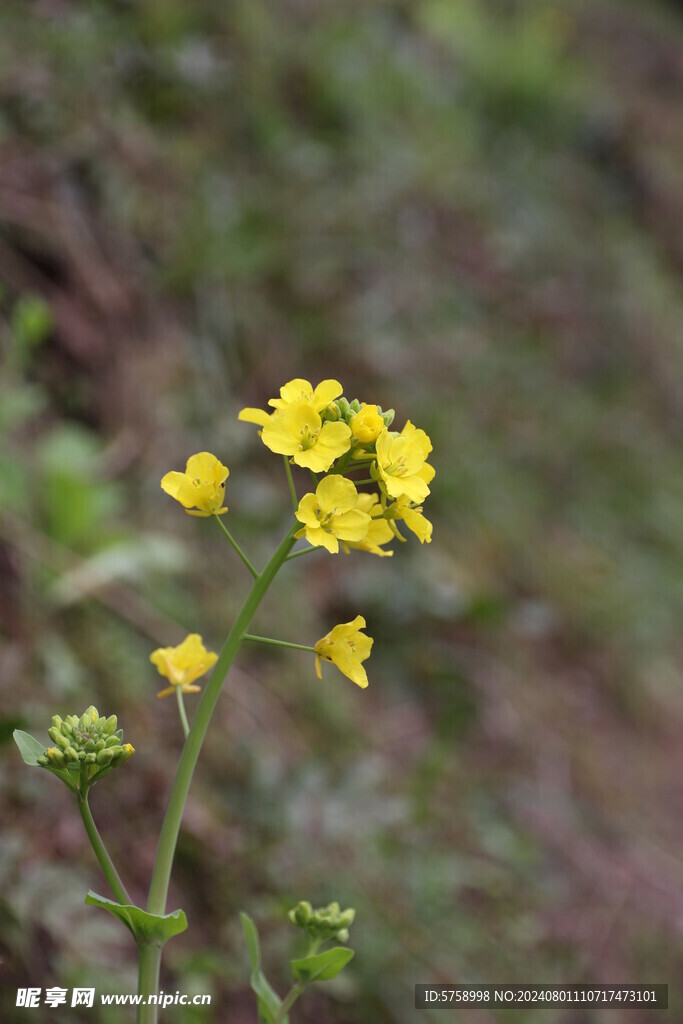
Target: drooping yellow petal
{"x": 346, "y": 647}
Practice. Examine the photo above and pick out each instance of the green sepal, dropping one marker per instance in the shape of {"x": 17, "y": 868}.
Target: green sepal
{"x": 148, "y": 929}
{"x": 31, "y": 749}
{"x": 322, "y": 966}
{"x": 269, "y": 1001}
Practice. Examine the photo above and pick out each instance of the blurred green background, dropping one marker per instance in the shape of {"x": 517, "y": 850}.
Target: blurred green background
{"x": 470, "y": 211}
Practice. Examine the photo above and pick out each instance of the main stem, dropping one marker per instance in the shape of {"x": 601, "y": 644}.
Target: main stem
{"x": 161, "y": 874}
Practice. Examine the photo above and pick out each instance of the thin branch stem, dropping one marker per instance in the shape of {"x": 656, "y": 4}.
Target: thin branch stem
{"x": 290, "y": 479}
{"x": 105, "y": 861}
{"x": 236, "y": 546}
{"x": 304, "y": 551}
{"x": 276, "y": 643}
{"x": 181, "y": 710}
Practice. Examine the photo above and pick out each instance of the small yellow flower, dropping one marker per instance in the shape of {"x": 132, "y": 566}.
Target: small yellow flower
{"x": 367, "y": 424}
{"x": 412, "y": 516}
{"x": 183, "y": 664}
{"x": 402, "y": 463}
{"x": 299, "y": 432}
{"x": 346, "y": 647}
{"x": 201, "y": 488}
{"x": 294, "y": 391}
{"x": 379, "y": 531}
{"x": 332, "y": 514}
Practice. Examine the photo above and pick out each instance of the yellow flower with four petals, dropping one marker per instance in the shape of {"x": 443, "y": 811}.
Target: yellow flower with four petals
{"x": 332, "y": 514}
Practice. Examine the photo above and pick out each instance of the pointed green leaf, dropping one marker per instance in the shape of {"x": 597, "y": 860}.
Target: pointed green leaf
{"x": 269, "y": 1001}
{"x": 29, "y": 747}
{"x": 153, "y": 929}
{"x": 252, "y": 940}
{"x": 323, "y": 966}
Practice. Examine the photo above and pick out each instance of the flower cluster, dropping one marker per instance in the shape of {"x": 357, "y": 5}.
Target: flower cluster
{"x": 325, "y": 923}
{"x": 320, "y": 430}
{"x": 88, "y": 742}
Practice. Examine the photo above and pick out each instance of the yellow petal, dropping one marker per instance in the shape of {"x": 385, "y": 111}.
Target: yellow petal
{"x": 336, "y": 492}
{"x": 258, "y": 416}
{"x": 326, "y": 392}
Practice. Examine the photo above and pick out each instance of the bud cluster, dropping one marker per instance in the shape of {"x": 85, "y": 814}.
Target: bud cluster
{"x": 89, "y": 744}
{"x": 325, "y": 923}
{"x": 342, "y": 409}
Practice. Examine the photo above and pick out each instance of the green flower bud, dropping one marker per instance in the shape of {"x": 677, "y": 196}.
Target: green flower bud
{"x": 110, "y": 726}
{"x": 43, "y": 760}
{"x": 56, "y": 722}
{"x": 57, "y": 737}
{"x": 388, "y": 417}
{"x": 354, "y": 406}
{"x": 104, "y": 757}
{"x": 301, "y": 914}
{"x": 347, "y": 918}
{"x": 89, "y": 746}
{"x": 343, "y": 935}
{"x": 56, "y": 757}
{"x": 127, "y": 751}
{"x": 113, "y": 741}
{"x": 90, "y": 758}
{"x": 70, "y": 754}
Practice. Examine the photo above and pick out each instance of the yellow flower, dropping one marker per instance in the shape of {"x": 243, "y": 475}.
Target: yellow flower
{"x": 331, "y": 514}
{"x": 183, "y": 664}
{"x": 412, "y": 516}
{"x": 294, "y": 391}
{"x": 201, "y": 488}
{"x": 379, "y": 531}
{"x": 298, "y": 431}
{"x": 402, "y": 463}
{"x": 346, "y": 647}
{"x": 367, "y": 424}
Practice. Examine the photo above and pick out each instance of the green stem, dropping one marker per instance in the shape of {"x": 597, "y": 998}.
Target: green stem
{"x": 105, "y": 861}
{"x": 277, "y": 643}
{"x": 168, "y": 838}
{"x": 315, "y": 479}
{"x": 181, "y": 710}
{"x": 368, "y": 480}
{"x": 304, "y": 551}
{"x": 288, "y": 1002}
{"x": 292, "y": 488}
{"x": 236, "y": 546}
{"x": 149, "y": 959}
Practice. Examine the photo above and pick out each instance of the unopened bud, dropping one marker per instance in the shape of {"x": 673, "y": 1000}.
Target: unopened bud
{"x": 57, "y": 737}
{"x": 110, "y": 726}
{"x": 56, "y": 757}
{"x": 104, "y": 757}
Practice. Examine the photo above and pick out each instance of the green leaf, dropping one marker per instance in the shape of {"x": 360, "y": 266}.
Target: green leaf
{"x": 269, "y": 1001}
{"x": 30, "y": 750}
{"x": 152, "y": 929}
{"x": 29, "y": 747}
{"x": 323, "y": 966}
